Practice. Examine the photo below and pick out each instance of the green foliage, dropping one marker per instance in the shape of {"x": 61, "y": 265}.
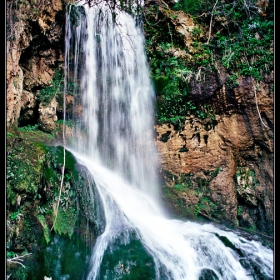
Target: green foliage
{"x": 29, "y": 128}
{"x": 180, "y": 187}
{"x": 215, "y": 172}
{"x": 22, "y": 172}
{"x": 56, "y": 88}
{"x": 56, "y": 154}
{"x": 67, "y": 122}
{"x": 231, "y": 81}
{"x": 173, "y": 92}
{"x": 202, "y": 58}
{"x": 67, "y": 212}
{"x": 172, "y": 74}
{"x": 42, "y": 220}
{"x": 65, "y": 222}
{"x": 19, "y": 273}
{"x": 10, "y": 134}
{"x": 247, "y": 50}
{"x": 68, "y": 196}
{"x": 245, "y": 43}
{"x": 194, "y": 7}
{"x": 61, "y": 258}
{"x": 131, "y": 6}
{"x": 15, "y": 215}
{"x": 239, "y": 210}
{"x": 205, "y": 205}
{"x": 25, "y": 167}
{"x": 197, "y": 189}
{"x": 10, "y": 254}
{"x": 241, "y": 40}
{"x": 245, "y": 178}
{"x": 39, "y": 196}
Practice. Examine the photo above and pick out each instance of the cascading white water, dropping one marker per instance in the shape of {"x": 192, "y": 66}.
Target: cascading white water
{"x": 117, "y": 97}
{"x": 114, "y": 140}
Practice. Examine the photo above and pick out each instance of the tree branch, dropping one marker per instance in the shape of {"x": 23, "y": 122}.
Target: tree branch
{"x": 211, "y": 22}
{"x": 18, "y": 259}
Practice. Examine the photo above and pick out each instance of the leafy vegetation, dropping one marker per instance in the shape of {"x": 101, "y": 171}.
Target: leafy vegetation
{"x": 55, "y": 89}
{"x": 245, "y": 178}
{"x": 240, "y": 40}
{"x": 194, "y": 7}
{"x": 42, "y": 220}
{"x": 170, "y": 75}
{"x": 33, "y": 182}
{"x": 248, "y": 50}
{"x": 15, "y": 215}
{"x": 29, "y": 127}
{"x": 23, "y": 173}
{"x": 196, "y": 189}
{"x": 243, "y": 34}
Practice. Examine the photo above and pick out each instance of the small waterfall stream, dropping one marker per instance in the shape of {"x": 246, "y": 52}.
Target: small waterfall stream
{"x": 113, "y": 114}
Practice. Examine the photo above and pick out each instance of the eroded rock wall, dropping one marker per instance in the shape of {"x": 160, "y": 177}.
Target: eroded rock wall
{"x": 240, "y": 146}
{"x": 35, "y": 46}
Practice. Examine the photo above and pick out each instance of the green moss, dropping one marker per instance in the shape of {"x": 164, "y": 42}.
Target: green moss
{"x": 23, "y": 174}
{"x": 10, "y": 135}
{"x": 34, "y": 173}
{"x": 56, "y": 155}
{"x": 127, "y": 261}
{"x": 19, "y": 273}
{"x": 206, "y": 206}
{"x": 215, "y": 172}
{"x": 55, "y": 89}
{"x": 65, "y": 221}
{"x": 42, "y": 220}
{"x": 240, "y": 41}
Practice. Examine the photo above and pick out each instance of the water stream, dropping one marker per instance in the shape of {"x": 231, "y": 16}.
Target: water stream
{"x": 113, "y": 117}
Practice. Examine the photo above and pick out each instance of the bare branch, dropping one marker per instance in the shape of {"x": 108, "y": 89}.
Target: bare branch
{"x": 211, "y": 22}
{"x": 18, "y": 259}
{"x": 255, "y": 92}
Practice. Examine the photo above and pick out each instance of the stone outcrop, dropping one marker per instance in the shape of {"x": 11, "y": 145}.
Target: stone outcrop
{"x": 47, "y": 116}
{"x": 240, "y": 145}
{"x": 35, "y": 45}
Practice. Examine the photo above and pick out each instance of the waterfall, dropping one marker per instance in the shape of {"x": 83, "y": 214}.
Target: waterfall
{"x": 107, "y": 73}
{"x": 116, "y": 127}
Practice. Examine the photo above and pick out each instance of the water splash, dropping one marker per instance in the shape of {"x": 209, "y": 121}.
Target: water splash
{"x": 114, "y": 140}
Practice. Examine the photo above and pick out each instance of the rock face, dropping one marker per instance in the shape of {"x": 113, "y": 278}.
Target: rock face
{"x": 221, "y": 169}
{"x": 225, "y": 168}
{"x": 35, "y": 36}
{"x": 240, "y": 145}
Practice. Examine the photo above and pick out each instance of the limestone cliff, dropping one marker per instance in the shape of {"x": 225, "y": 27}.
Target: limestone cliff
{"x": 35, "y": 46}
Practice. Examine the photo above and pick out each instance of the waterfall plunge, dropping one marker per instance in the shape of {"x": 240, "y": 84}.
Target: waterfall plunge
{"x": 114, "y": 140}
{"x": 116, "y": 128}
